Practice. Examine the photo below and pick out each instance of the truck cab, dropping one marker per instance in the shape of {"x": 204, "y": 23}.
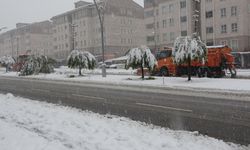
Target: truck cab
{"x": 165, "y": 61}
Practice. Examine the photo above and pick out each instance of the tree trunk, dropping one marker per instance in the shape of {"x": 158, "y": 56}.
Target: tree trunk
{"x": 142, "y": 73}
{"x": 189, "y": 68}
{"x": 80, "y": 71}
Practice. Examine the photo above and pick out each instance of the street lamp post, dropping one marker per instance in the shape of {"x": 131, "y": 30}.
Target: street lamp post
{"x": 73, "y": 26}
{"x": 100, "y": 11}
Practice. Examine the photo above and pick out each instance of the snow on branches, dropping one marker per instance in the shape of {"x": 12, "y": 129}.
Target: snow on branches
{"x": 81, "y": 60}
{"x": 185, "y": 47}
{"x": 141, "y": 57}
{"x": 7, "y": 60}
{"x": 36, "y": 65}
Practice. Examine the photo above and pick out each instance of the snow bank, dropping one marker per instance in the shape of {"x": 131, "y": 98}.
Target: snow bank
{"x": 29, "y": 125}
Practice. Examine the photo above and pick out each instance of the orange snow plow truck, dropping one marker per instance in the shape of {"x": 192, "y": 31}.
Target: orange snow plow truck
{"x": 219, "y": 62}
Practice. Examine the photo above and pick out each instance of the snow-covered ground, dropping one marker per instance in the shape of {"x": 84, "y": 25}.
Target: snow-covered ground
{"x": 243, "y": 73}
{"x": 126, "y": 77}
{"x": 33, "y": 125}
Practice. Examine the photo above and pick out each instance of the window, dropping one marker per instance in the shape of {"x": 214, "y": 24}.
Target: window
{"x": 150, "y": 26}
{"x": 164, "y": 37}
{"x": 164, "y": 23}
{"x": 224, "y": 29}
{"x": 171, "y": 21}
{"x": 183, "y": 18}
{"x": 234, "y": 27}
{"x": 172, "y": 36}
{"x": 234, "y": 45}
{"x": 223, "y": 12}
{"x": 184, "y": 33}
{"x": 209, "y": 14}
{"x": 224, "y": 42}
{"x": 157, "y": 38}
{"x": 164, "y": 10}
{"x": 149, "y": 14}
{"x": 209, "y": 30}
{"x": 234, "y": 11}
{"x": 248, "y": 8}
{"x": 171, "y": 8}
{"x": 183, "y": 4}
{"x": 150, "y": 38}
{"x": 210, "y": 43}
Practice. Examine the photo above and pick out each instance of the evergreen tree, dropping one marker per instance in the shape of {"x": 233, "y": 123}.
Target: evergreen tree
{"x": 187, "y": 49}
{"x": 36, "y": 65}
{"x": 141, "y": 58}
{"x": 81, "y": 60}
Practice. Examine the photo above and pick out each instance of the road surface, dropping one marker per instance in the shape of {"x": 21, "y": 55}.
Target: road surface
{"x": 222, "y": 116}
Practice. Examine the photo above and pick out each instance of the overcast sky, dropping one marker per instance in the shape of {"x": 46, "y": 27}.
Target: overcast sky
{"x": 27, "y": 11}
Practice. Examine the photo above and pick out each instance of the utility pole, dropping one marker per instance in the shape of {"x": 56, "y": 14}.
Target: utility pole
{"x": 12, "y": 47}
{"x": 100, "y": 7}
{"x": 17, "y": 48}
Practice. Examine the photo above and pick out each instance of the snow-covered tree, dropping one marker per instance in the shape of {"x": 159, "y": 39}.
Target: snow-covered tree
{"x": 81, "y": 60}
{"x": 187, "y": 49}
{"x": 36, "y": 65}
{"x": 46, "y": 64}
{"x": 141, "y": 57}
{"x": 7, "y": 61}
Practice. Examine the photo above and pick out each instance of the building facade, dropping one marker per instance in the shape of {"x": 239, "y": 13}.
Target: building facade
{"x": 167, "y": 19}
{"x": 226, "y": 22}
{"x": 26, "y": 38}
{"x": 217, "y": 22}
{"x": 80, "y": 29}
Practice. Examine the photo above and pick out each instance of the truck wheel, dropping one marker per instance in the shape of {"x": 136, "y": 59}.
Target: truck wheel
{"x": 164, "y": 72}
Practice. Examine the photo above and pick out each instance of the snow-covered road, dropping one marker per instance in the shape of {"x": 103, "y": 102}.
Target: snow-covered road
{"x": 29, "y": 125}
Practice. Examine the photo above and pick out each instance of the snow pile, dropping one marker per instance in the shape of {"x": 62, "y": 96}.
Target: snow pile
{"x": 29, "y": 125}
{"x": 186, "y": 46}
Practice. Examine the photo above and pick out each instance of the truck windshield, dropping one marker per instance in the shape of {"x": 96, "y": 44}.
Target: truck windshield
{"x": 164, "y": 54}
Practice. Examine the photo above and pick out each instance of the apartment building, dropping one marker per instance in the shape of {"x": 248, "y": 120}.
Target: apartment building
{"x": 217, "y": 22}
{"x": 226, "y": 22}
{"x": 80, "y": 29}
{"x": 34, "y": 38}
{"x": 167, "y": 19}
